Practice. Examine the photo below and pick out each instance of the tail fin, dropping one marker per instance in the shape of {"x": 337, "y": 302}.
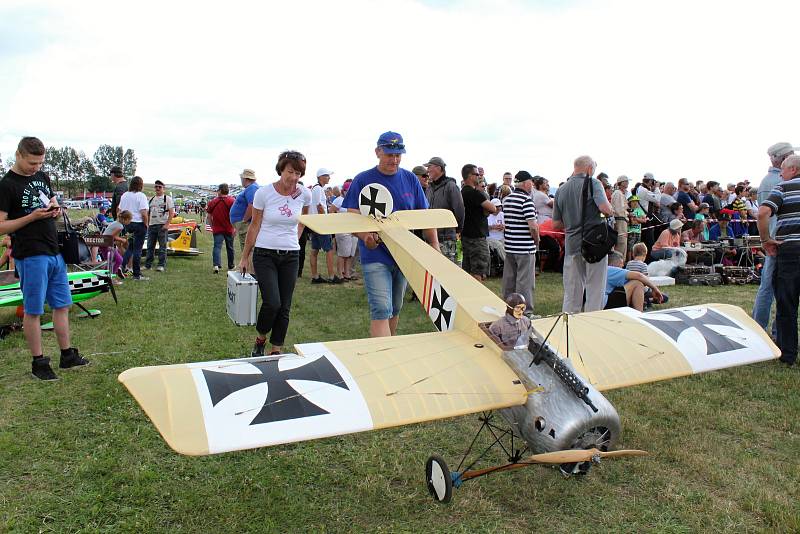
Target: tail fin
{"x": 453, "y": 299}
{"x": 183, "y": 242}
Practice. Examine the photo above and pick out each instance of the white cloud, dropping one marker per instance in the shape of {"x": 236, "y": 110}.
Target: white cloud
{"x": 696, "y": 89}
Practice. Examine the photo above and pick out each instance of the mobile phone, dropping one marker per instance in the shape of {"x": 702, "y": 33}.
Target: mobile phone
{"x": 52, "y": 208}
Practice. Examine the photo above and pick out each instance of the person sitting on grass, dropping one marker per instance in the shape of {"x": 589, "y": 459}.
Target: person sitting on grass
{"x": 627, "y": 288}
{"x": 637, "y": 264}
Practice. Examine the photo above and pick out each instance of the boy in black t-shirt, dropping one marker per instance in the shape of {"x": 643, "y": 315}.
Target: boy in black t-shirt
{"x": 28, "y": 209}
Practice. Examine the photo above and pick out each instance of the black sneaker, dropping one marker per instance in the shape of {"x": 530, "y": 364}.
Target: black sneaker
{"x": 40, "y": 368}
{"x": 258, "y": 349}
{"x": 336, "y": 280}
{"x": 319, "y": 280}
{"x": 72, "y": 359}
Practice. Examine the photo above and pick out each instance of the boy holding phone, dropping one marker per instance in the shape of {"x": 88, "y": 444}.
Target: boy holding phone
{"x": 28, "y": 210}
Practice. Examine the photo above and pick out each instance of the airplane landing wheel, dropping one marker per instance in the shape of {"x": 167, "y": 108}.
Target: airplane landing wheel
{"x": 438, "y": 479}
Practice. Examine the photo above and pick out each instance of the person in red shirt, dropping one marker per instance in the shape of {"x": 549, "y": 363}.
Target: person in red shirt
{"x": 218, "y": 211}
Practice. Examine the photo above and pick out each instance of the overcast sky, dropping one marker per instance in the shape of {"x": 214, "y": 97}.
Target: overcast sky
{"x": 696, "y": 89}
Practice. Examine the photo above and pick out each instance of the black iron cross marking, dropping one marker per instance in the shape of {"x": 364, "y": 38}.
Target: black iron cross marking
{"x": 715, "y": 342}
{"x": 443, "y": 320}
{"x": 375, "y": 208}
{"x": 283, "y": 402}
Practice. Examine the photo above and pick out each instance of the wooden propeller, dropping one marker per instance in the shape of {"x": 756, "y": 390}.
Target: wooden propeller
{"x": 555, "y": 457}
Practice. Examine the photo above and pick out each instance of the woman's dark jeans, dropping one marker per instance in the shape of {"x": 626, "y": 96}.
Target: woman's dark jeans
{"x": 138, "y": 231}
{"x": 276, "y": 272}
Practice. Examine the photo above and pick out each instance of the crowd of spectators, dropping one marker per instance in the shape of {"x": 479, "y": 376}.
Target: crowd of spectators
{"x": 499, "y": 230}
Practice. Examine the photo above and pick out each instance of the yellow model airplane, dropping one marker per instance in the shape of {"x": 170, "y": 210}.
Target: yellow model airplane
{"x": 549, "y": 391}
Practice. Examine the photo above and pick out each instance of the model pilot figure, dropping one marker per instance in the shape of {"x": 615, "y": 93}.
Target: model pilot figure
{"x": 514, "y": 327}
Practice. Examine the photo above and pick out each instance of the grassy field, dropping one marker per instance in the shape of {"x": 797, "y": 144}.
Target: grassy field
{"x": 79, "y": 454}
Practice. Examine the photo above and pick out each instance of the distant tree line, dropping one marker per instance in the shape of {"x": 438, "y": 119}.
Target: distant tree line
{"x": 73, "y": 172}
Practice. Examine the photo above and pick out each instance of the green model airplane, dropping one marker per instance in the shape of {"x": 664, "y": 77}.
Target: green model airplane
{"x": 83, "y": 285}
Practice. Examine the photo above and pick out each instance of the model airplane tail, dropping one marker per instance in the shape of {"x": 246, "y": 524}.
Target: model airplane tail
{"x": 451, "y": 297}
{"x": 183, "y": 242}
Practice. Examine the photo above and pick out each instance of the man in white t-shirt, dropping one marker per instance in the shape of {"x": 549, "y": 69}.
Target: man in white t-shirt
{"x": 162, "y": 210}
{"x": 319, "y": 204}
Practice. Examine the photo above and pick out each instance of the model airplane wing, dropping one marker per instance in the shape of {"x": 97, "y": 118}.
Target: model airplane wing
{"x": 348, "y": 222}
{"x": 624, "y": 347}
{"x": 10, "y": 297}
{"x": 326, "y": 389}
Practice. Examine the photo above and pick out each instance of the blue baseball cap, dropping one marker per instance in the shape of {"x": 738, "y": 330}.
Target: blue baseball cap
{"x": 391, "y": 143}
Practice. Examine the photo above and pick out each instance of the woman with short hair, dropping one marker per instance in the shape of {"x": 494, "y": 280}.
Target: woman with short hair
{"x": 273, "y": 237}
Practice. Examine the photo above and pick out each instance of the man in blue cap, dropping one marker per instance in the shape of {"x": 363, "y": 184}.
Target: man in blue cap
{"x": 383, "y": 280}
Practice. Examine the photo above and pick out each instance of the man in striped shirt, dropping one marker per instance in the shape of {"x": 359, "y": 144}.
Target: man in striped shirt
{"x": 520, "y": 239}
{"x": 784, "y": 202}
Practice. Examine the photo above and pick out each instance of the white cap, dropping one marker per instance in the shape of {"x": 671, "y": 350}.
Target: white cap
{"x": 323, "y": 171}
{"x": 496, "y": 202}
{"x": 675, "y": 224}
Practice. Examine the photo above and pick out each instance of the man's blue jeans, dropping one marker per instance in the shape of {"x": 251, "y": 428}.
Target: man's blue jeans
{"x": 764, "y": 297}
{"x": 217, "y": 251}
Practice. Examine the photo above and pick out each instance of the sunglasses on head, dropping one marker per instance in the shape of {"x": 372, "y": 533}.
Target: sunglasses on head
{"x": 394, "y": 146}
{"x": 292, "y": 154}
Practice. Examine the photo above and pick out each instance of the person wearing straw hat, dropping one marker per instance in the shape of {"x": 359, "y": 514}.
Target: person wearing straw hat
{"x": 619, "y": 204}
{"x": 242, "y": 210}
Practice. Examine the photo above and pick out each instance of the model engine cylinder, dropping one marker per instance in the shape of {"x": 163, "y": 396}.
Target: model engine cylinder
{"x": 554, "y": 416}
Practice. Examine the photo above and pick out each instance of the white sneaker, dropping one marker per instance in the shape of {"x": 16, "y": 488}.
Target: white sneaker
{"x": 216, "y": 269}
{"x": 160, "y": 269}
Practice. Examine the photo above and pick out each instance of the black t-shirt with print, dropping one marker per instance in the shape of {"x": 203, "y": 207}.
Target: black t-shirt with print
{"x": 19, "y": 195}
{"x": 476, "y": 223}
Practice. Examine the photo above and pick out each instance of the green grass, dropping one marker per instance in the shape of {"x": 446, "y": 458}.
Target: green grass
{"x": 79, "y": 454}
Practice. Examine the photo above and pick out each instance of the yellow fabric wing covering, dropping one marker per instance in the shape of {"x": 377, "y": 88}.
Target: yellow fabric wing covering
{"x": 623, "y": 347}
{"x": 348, "y": 222}
{"x": 339, "y": 223}
{"x": 326, "y": 389}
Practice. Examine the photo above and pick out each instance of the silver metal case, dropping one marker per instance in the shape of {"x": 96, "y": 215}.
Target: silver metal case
{"x": 241, "y": 298}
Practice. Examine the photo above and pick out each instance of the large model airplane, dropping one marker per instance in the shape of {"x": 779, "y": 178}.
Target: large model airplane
{"x": 549, "y": 391}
